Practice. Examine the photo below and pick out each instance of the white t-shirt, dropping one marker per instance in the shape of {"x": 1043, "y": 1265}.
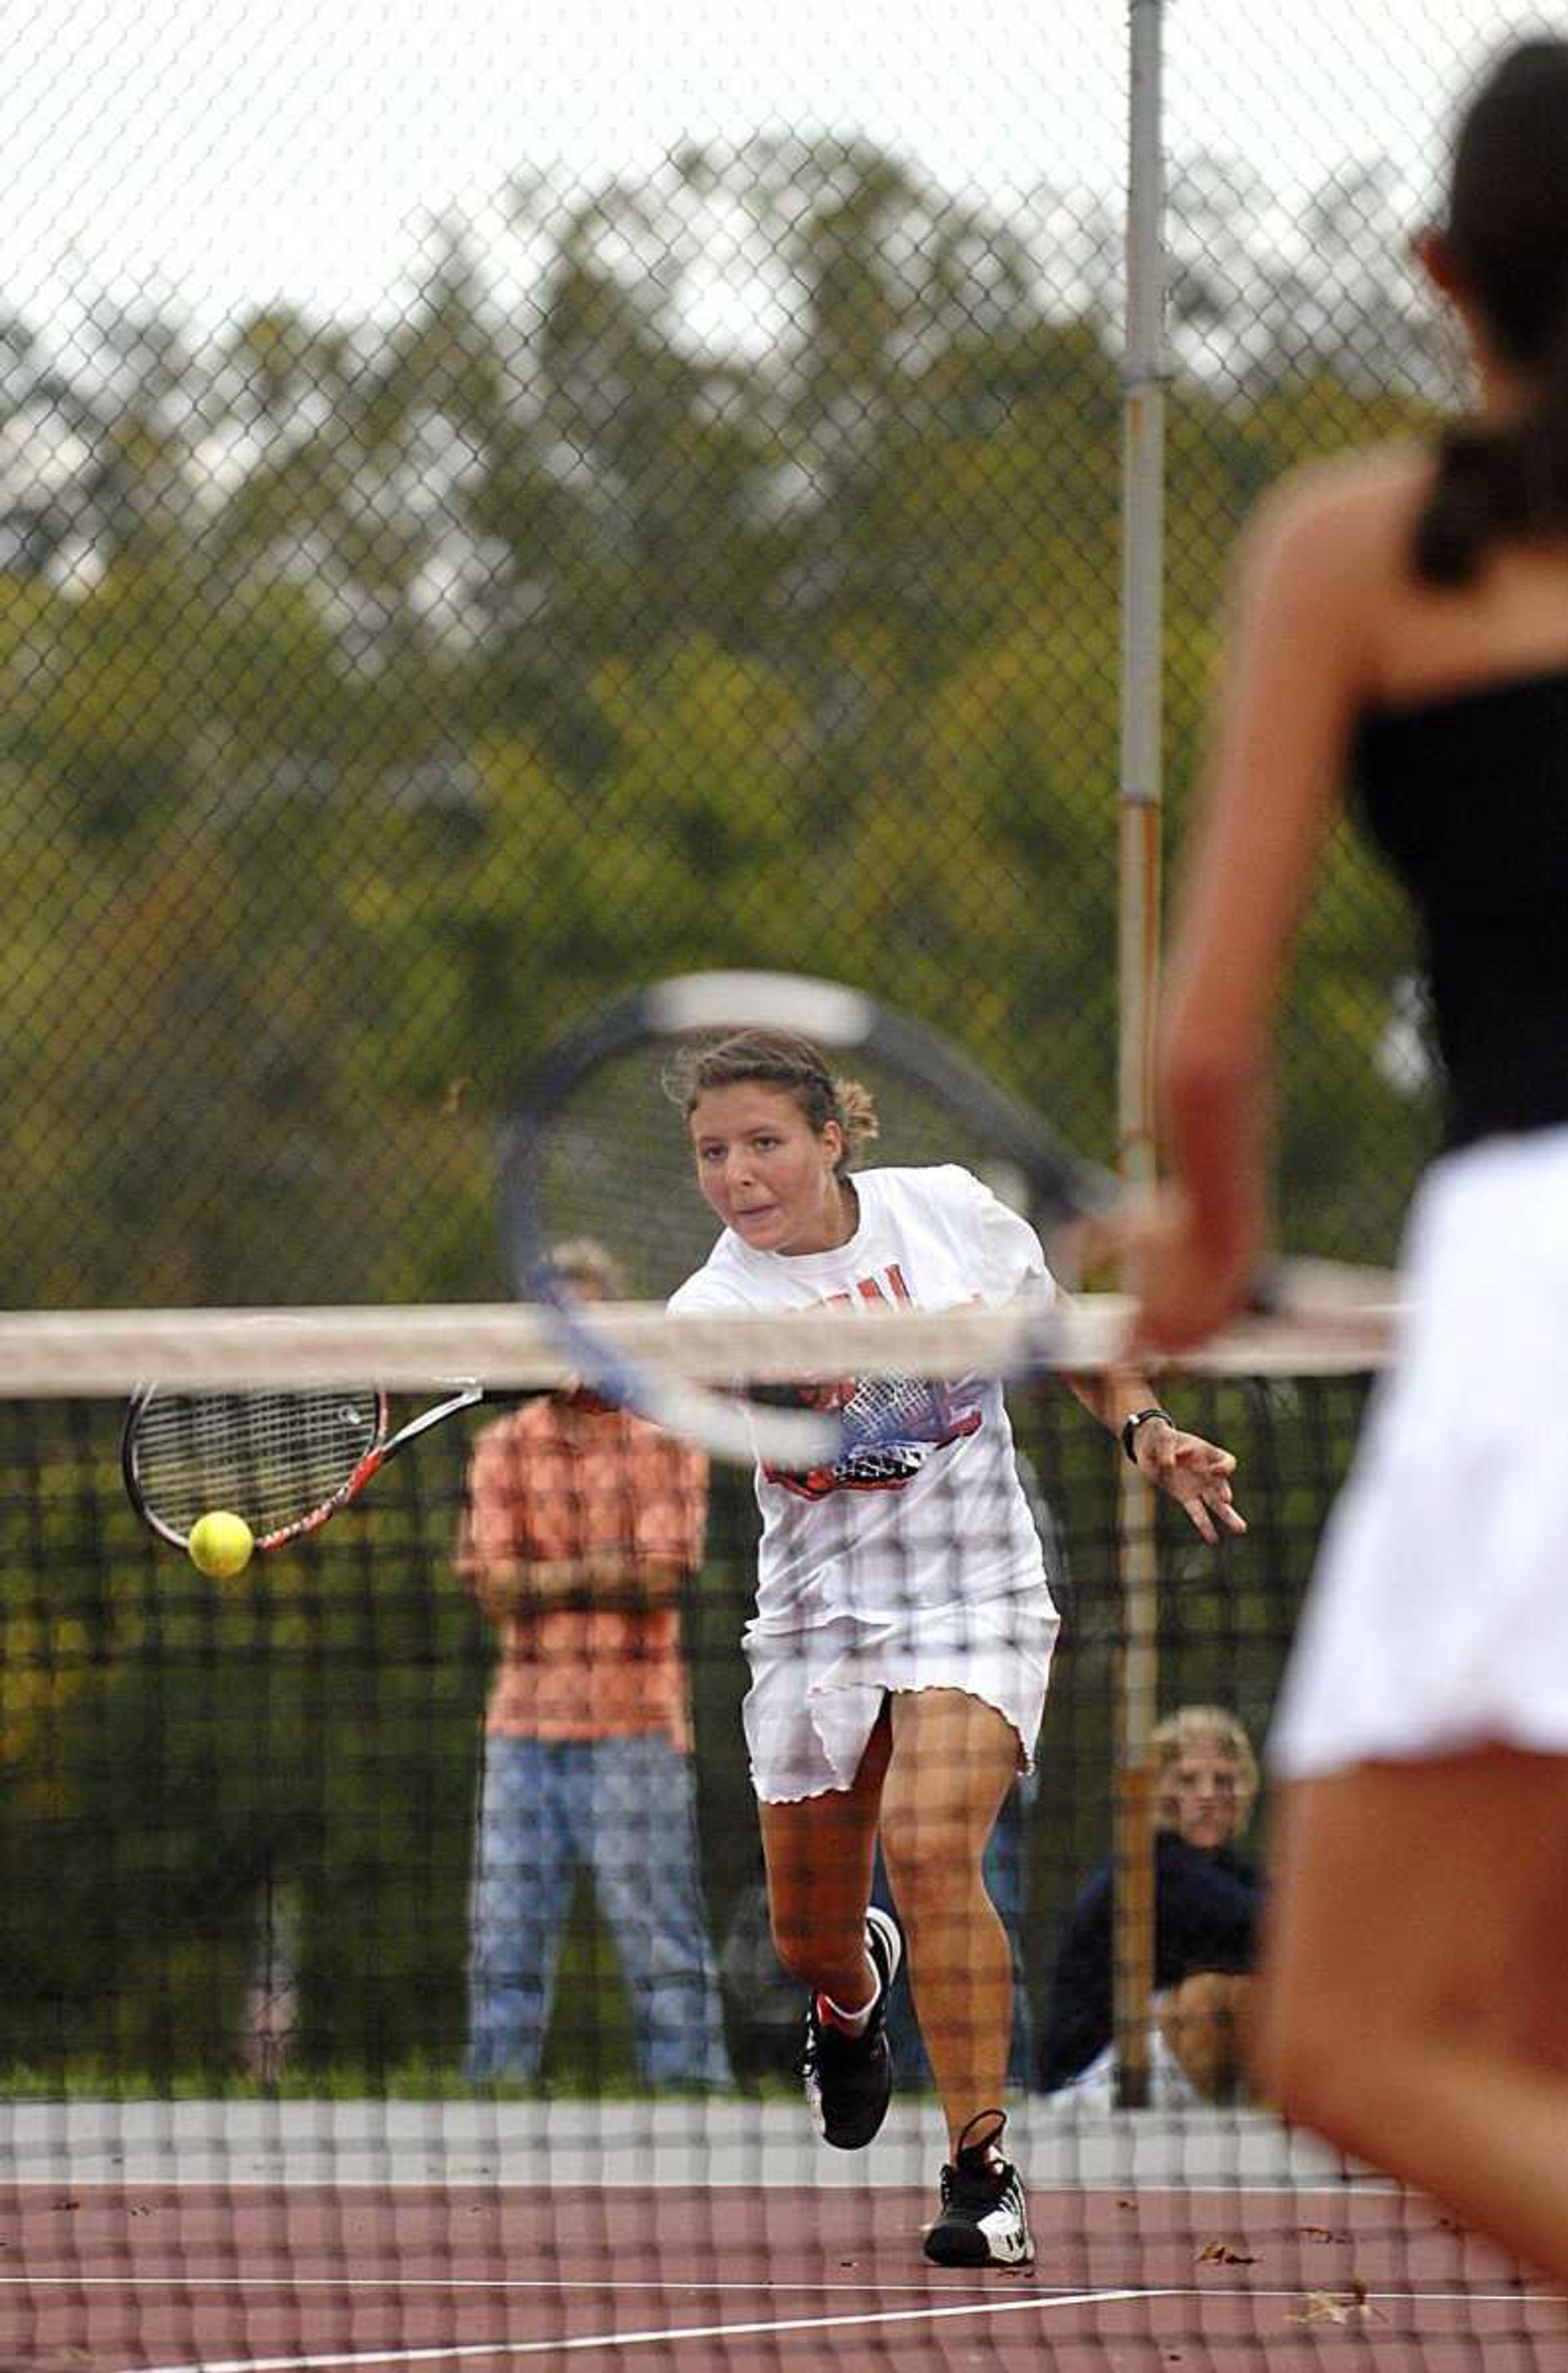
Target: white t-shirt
{"x": 918, "y": 1518}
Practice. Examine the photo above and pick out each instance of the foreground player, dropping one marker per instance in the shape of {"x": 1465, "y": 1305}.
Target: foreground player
{"x": 903, "y": 1632}
{"x": 1404, "y": 619}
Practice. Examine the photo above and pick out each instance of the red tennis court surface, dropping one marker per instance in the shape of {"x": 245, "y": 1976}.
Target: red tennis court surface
{"x": 246, "y": 2276}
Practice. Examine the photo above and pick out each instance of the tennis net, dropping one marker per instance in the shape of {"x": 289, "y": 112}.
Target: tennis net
{"x": 384, "y": 1984}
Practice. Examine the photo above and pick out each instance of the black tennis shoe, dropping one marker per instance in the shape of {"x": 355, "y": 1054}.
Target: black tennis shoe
{"x": 984, "y": 2219}
{"x": 849, "y": 2078}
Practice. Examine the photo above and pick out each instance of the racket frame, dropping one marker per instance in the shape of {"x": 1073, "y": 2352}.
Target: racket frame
{"x": 842, "y": 1021}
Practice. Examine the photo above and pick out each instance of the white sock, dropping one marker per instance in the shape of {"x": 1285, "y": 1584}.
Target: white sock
{"x": 851, "y": 2022}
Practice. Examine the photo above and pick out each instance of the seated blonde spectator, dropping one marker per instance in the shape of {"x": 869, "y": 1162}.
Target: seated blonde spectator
{"x": 1208, "y": 1902}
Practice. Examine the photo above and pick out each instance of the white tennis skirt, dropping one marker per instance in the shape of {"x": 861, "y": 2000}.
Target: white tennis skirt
{"x": 815, "y": 1695}
{"x": 1437, "y": 1620}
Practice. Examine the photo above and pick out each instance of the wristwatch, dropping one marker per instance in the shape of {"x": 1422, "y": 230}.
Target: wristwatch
{"x": 1138, "y": 1418}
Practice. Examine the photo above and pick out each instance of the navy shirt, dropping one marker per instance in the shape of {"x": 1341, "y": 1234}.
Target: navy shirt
{"x": 1206, "y": 1911}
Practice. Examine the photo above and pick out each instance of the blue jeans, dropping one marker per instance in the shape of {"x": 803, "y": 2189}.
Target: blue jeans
{"x": 625, "y": 1810}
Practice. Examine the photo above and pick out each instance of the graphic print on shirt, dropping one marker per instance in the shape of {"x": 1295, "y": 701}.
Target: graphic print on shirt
{"x": 907, "y": 1418}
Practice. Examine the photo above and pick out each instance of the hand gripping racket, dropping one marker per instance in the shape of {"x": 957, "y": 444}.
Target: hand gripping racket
{"x": 283, "y": 1461}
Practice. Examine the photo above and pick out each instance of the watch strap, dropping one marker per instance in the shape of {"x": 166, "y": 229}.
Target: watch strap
{"x": 1141, "y": 1417}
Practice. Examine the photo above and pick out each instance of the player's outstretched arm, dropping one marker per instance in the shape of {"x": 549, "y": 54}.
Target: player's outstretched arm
{"x": 1191, "y": 1470}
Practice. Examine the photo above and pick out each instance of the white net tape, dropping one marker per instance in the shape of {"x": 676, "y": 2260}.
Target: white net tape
{"x": 1328, "y": 1321}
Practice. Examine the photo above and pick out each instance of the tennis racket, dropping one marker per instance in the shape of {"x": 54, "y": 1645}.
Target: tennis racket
{"x": 594, "y": 1145}
{"x": 284, "y": 1461}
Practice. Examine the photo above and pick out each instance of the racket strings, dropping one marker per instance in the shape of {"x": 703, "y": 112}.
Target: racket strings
{"x": 891, "y": 1425}
{"x": 896, "y": 1406}
{"x": 271, "y": 1457}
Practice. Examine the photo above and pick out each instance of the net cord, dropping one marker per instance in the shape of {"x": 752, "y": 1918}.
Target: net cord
{"x": 54, "y": 1354}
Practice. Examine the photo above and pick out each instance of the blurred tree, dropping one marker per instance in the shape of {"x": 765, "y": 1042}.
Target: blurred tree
{"x": 733, "y": 577}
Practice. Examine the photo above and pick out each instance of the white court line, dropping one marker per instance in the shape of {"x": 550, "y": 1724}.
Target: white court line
{"x": 506, "y": 2348}
{"x": 1034, "y": 2304}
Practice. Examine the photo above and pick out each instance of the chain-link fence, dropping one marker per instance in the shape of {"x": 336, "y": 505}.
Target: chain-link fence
{"x": 488, "y": 515}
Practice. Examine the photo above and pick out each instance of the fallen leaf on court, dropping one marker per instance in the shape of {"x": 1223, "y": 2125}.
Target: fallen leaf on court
{"x": 1323, "y": 2306}
{"x": 1320, "y": 2233}
{"x": 1224, "y": 2253}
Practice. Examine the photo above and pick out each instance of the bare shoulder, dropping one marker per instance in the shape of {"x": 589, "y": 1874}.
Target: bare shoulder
{"x": 1349, "y": 517}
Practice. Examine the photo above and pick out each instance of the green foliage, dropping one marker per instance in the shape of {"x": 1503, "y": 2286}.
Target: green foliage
{"x": 434, "y": 681}
{"x": 377, "y": 697}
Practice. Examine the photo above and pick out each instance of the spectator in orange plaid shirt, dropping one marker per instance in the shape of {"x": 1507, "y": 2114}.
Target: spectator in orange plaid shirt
{"x": 583, "y": 1524}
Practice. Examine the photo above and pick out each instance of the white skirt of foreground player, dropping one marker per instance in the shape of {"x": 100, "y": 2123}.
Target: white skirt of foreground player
{"x": 1438, "y": 1617}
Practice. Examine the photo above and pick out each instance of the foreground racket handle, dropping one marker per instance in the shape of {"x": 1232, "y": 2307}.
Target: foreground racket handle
{"x": 845, "y": 1022}
{"x": 286, "y": 1462}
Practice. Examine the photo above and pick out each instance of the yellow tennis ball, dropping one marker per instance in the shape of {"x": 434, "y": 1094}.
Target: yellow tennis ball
{"x": 220, "y": 1544}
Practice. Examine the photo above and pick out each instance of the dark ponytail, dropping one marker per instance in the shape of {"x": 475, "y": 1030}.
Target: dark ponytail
{"x": 1507, "y": 230}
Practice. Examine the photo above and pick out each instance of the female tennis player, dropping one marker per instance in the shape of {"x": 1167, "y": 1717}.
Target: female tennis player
{"x": 904, "y": 1627}
{"x": 1403, "y": 624}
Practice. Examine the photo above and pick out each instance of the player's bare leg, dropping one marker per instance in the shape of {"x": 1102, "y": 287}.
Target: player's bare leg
{"x": 1425, "y": 2027}
{"x": 953, "y": 1760}
{"x": 819, "y": 1854}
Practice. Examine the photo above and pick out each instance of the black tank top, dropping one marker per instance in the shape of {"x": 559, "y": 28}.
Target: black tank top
{"x": 1466, "y": 795}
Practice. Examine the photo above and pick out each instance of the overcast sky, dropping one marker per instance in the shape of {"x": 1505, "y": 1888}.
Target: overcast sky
{"x": 221, "y": 152}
